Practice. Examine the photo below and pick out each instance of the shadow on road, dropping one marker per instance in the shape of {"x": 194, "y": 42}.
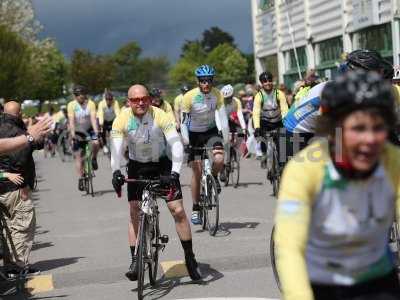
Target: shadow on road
{"x": 46, "y": 265}
{"x": 247, "y": 184}
{"x": 165, "y": 285}
{"x": 41, "y": 245}
{"x": 237, "y": 225}
{"x": 101, "y": 193}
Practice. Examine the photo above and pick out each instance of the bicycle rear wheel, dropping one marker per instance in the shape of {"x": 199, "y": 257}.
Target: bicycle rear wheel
{"x": 235, "y": 168}
{"x": 154, "y": 243}
{"x": 212, "y": 206}
{"x": 272, "y": 252}
{"x": 141, "y": 256}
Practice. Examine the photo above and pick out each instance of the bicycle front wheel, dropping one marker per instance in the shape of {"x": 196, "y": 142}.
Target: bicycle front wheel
{"x": 154, "y": 243}
{"x": 212, "y": 206}
{"x": 272, "y": 252}
{"x": 235, "y": 168}
{"x": 141, "y": 256}
{"x": 275, "y": 176}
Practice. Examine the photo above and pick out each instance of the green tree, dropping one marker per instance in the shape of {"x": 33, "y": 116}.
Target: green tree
{"x": 48, "y": 71}
{"x": 127, "y": 63}
{"x": 214, "y": 37}
{"x": 183, "y": 70}
{"x": 19, "y": 17}
{"x": 95, "y": 72}
{"x": 14, "y": 61}
{"x": 231, "y": 66}
{"x": 153, "y": 71}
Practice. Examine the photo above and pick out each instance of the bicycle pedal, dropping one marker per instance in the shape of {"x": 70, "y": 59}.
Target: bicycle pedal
{"x": 164, "y": 239}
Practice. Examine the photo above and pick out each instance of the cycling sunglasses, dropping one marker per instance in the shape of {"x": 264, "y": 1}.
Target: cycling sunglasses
{"x": 145, "y": 99}
{"x": 205, "y": 80}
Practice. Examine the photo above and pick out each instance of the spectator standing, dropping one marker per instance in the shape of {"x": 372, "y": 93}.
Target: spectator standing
{"x": 15, "y": 196}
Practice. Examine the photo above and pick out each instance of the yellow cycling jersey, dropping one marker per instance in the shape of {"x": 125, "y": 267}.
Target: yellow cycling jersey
{"x": 105, "y": 113}
{"x": 201, "y": 108}
{"x": 58, "y": 117}
{"x": 272, "y": 107}
{"x": 166, "y": 107}
{"x": 145, "y": 136}
{"x": 81, "y": 114}
{"x": 332, "y": 230}
{"x": 178, "y": 103}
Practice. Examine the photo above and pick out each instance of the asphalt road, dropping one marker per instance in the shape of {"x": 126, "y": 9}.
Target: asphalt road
{"x": 81, "y": 242}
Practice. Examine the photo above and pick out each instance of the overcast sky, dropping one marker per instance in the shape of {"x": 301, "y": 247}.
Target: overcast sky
{"x": 160, "y": 26}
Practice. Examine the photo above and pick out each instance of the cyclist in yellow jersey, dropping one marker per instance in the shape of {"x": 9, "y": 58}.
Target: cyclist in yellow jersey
{"x": 82, "y": 125}
{"x": 339, "y": 198}
{"x": 234, "y": 114}
{"x": 202, "y": 109}
{"x": 178, "y": 106}
{"x": 147, "y": 129}
{"x": 158, "y": 101}
{"x": 270, "y": 107}
{"x": 108, "y": 109}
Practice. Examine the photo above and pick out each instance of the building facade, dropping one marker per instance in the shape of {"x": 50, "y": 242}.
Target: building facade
{"x": 321, "y": 31}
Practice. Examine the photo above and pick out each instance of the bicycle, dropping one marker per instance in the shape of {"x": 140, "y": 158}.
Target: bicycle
{"x": 64, "y": 148}
{"x": 209, "y": 199}
{"x": 232, "y": 169}
{"x": 149, "y": 241}
{"x": 273, "y": 168}
{"x": 88, "y": 173}
{"x": 272, "y": 252}
{"x": 394, "y": 242}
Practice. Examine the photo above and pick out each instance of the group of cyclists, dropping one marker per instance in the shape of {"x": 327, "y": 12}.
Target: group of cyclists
{"x": 339, "y": 191}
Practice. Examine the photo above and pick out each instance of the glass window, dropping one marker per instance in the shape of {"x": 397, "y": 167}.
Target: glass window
{"x": 330, "y": 50}
{"x": 265, "y": 4}
{"x": 377, "y": 38}
{"x": 302, "y": 56}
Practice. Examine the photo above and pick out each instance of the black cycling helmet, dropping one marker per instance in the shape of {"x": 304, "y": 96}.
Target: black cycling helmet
{"x": 108, "y": 95}
{"x": 369, "y": 60}
{"x": 155, "y": 92}
{"x": 265, "y": 76}
{"x": 79, "y": 90}
{"x": 357, "y": 90}
{"x": 184, "y": 89}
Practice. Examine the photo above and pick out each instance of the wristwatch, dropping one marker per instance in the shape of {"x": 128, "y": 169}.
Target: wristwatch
{"x": 30, "y": 139}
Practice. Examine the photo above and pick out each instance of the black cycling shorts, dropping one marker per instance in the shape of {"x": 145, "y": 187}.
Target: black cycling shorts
{"x": 150, "y": 170}
{"x": 107, "y": 125}
{"x": 81, "y": 142}
{"x": 210, "y": 138}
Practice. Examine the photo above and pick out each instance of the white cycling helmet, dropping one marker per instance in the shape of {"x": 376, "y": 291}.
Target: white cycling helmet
{"x": 396, "y": 73}
{"x": 227, "y": 91}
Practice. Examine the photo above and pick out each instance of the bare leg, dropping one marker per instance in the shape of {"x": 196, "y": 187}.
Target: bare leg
{"x": 78, "y": 163}
{"x": 181, "y": 222}
{"x": 133, "y": 222}
{"x": 218, "y": 163}
{"x": 196, "y": 177}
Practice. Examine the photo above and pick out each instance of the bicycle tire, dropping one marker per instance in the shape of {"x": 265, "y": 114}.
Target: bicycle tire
{"x": 212, "y": 205}
{"x": 90, "y": 179}
{"x": 235, "y": 168}
{"x": 63, "y": 147}
{"x": 275, "y": 173}
{"x": 154, "y": 250}
{"x": 141, "y": 257}
{"x": 273, "y": 258}
{"x": 203, "y": 208}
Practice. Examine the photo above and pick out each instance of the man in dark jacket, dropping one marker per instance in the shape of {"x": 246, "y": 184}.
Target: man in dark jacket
{"x": 16, "y": 198}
